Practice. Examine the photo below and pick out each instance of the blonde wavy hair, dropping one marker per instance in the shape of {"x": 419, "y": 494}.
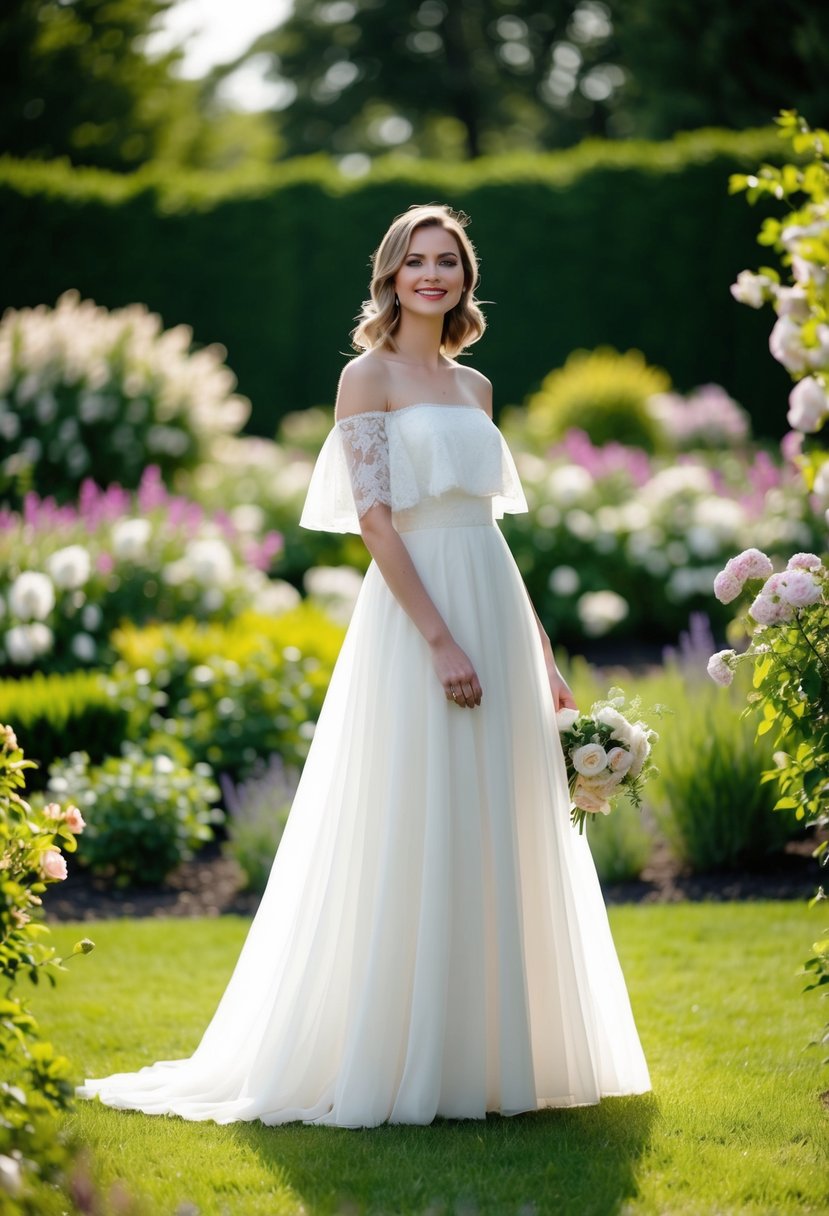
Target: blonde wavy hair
{"x": 380, "y": 316}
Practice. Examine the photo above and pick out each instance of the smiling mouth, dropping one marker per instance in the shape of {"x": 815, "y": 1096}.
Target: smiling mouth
{"x": 431, "y": 293}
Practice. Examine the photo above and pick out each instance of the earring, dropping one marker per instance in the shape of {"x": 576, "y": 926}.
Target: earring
{"x": 396, "y": 301}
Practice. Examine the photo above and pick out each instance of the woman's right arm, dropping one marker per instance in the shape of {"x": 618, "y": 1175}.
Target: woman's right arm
{"x": 362, "y": 389}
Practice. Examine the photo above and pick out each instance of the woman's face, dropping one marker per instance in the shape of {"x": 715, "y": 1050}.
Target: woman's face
{"x": 430, "y": 280}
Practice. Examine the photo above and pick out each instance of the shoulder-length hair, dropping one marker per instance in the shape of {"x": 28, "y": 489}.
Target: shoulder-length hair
{"x": 380, "y": 315}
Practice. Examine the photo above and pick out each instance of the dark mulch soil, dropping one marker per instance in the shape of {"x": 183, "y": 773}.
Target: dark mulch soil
{"x": 210, "y": 885}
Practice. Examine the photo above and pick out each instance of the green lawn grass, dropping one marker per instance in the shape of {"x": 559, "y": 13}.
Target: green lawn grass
{"x": 734, "y": 1124}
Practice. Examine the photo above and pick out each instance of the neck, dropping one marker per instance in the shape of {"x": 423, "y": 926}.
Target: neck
{"x": 418, "y": 339}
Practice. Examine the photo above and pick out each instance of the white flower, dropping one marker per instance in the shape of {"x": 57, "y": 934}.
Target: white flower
{"x": 792, "y": 302}
{"x": 277, "y": 596}
{"x": 599, "y": 611}
{"x": 11, "y": 1177}
{"x": 565, "y": 718}
{"x": 568, "y": 484}
{"x": 808, "y": 405}
{"x": 589, "y": 759}
{"x": 83, "y": 647}
{"x": 25, "y": 643}
{"x": 751, "y": 289}
{"x": 248, "y": 517}
{"x": 721, "y": 666}
{"x": 91, "y": 616}
{"x": 337, "y": 587}
{"x": 210, "y": 562}
{"x": 69, "y": 567}
{"x": 130, "y": 538}
{"x": 640, "y": 747}
{"x": 563, "y": 580}
{"x": 32, "y": 596}
{"x": 618, "y": 723}
{"x": 786, "y": 345}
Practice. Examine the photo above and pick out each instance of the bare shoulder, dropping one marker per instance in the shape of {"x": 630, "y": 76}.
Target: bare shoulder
{"x": 363, "y": 386}
{"x": 478, "y": 385}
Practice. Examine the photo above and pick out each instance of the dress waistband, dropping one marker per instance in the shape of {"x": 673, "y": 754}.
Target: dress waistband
{"x": 447, "y": 511}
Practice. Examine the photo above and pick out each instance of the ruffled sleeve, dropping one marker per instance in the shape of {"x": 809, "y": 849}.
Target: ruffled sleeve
{"x": 351, "y": 474}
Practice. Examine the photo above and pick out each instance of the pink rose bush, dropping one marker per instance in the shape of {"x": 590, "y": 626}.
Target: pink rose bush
{"x": 32, "y": 847}
{"x": 606, "y": 754}
{"x": 799, "y": 339}
{"x": 787, "y": 622}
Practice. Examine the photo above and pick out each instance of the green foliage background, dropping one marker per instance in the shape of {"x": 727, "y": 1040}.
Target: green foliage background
{"x": 629, "y": 244}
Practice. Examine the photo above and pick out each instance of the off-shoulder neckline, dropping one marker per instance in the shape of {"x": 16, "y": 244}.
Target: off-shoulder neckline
{"x": 435, "y": 405}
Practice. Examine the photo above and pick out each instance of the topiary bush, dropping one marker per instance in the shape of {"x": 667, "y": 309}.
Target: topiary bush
{"x": 603, "y": 393}
{"x": 85, "y": 392}
{"x": 56, "y": 711}
{"x": 145, "y": 813}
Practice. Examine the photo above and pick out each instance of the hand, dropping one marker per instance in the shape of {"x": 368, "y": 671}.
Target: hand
{"x": 562, "y": 695}
{"x": 457, "y": 674}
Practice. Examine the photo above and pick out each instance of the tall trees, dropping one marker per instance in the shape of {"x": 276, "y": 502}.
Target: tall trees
{"x": 74, "y": 81}
{"x": 694, "y": 63}
{"x": 466, "y": 76}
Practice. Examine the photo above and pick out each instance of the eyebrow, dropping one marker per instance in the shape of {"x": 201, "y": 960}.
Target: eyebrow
{"x": 447, "y": 253}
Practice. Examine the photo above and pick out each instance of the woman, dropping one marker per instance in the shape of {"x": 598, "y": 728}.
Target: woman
{"x": 432, "y": 939}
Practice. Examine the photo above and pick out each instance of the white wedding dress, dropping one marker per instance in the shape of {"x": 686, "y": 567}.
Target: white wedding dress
{"x": 433, "y": 938}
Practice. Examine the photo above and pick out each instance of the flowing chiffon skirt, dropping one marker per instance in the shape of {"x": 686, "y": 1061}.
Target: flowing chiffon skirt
{"x": 433, "y": 938}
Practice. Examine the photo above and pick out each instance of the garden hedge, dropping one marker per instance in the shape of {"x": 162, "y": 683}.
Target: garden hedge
{"x": 631, "y": 244}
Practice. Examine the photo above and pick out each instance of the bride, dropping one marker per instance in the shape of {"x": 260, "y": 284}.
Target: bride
{"x": 432, "y": 940}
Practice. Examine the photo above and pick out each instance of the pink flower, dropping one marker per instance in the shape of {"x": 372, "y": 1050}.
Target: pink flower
{"x": 586, "y": 800}
{"x": 53, "y": 811}
{"x": 619, "y": 760}
{"x": 769, "y": 608}
{"x": 800, "y": 589}
{"x": 721, "y": 666}
{"x": 53, "y": 864}
{"x": 804, "y": 561}
{"x": 751, "y": 563}
{"x": 74, "y": 820}
{"x": 726, "y": 586}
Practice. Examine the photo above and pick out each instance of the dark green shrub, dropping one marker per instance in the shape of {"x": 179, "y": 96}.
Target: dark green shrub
{"x": 60, "y": 712}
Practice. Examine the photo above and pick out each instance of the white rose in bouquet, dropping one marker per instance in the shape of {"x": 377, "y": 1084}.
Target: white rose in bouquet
{"x": 589, "y": 759}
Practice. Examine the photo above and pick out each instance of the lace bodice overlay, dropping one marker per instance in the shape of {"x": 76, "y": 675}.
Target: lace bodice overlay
{"x": 406, "y": 458}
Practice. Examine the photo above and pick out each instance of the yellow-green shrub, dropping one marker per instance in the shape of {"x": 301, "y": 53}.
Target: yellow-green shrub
{"x": 602, "y": 392}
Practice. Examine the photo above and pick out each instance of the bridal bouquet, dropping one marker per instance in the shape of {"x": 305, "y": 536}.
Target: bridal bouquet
{"x": 606, "y": 754}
